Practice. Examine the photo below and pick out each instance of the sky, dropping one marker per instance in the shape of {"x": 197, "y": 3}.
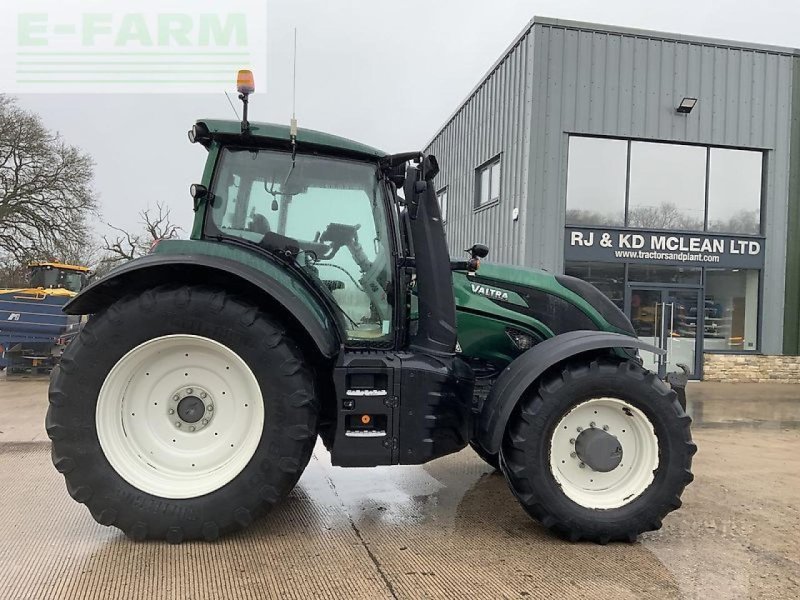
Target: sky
{"x": 384, "y": 73}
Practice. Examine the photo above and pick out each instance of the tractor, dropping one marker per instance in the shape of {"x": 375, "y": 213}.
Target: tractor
{"x": 33, "y": 328}
{"x": 317, "y": 298}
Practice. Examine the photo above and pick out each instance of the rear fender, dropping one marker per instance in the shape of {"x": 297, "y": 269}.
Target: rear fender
{"x": 291, "y": 297}
{"x": 521, "y": 374}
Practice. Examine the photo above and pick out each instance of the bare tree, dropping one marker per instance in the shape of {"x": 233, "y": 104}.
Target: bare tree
{"x": 126, "y": 245}
{"x": 666, "y": 215}
{"x": 46, "y": 197}
{"x": 743, "y": 221}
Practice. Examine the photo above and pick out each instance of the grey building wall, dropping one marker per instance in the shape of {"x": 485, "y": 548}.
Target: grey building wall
{"x": 587, "y": 79}
{"x": 496, "y": 119}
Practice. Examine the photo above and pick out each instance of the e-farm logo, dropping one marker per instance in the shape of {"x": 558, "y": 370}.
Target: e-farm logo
{"x": 130, "y": 46}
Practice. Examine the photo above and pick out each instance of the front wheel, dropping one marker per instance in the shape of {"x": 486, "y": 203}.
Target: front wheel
{"x": 181, "y": 413}
{"x": 600, "y": 452}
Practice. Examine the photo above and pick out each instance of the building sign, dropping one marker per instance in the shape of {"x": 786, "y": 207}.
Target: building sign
{"x": 690, "y": 249}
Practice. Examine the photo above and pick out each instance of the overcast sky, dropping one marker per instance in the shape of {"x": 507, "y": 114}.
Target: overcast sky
{"x": 384, "y": 73}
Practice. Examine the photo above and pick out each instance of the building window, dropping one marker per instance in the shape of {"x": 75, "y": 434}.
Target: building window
{"x": 609, "y": 278}
{"x": 442, "y": 196}
{"x": 596, "y": 179}
{"x": 488, "y": 183}
{"x": 658, "y": 185}
{"x": 667, "y": 186}
{"x": 734, "y": 191}
{"x": 731, "y": 310}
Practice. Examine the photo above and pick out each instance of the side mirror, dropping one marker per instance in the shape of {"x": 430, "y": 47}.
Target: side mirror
{"x": 419, "y": 183}
{"x": 396, "y": 174}
{"x": 412, "y": 188}
{"x": 430, "y": 167}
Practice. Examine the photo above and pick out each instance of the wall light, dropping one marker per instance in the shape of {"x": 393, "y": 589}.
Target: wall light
{"x": 686, "y": 105}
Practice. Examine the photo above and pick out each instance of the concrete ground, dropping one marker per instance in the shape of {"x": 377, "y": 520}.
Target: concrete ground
{"x": 449, "y": 529}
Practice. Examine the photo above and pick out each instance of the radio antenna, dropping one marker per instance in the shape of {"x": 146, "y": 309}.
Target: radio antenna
{"x": 233, "y": 108}
{"x": 294, "y": 76}
{"x": 293, "y": 122}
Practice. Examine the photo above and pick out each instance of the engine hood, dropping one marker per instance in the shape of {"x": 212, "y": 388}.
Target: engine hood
{"x": 549, "y": 304}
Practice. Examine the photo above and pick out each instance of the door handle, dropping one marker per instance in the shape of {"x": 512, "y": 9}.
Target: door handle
{"x": 670, "y": 341}
{"x": 657, "y": 332}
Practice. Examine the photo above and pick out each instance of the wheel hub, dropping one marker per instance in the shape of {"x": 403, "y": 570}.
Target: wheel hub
{"x": 600, "y": 450}
{"x": 191, "y": 409}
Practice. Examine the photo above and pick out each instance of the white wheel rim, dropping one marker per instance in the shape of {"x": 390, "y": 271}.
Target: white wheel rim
{"x": 620, "y": 486}
{"x": 141, "y": 438}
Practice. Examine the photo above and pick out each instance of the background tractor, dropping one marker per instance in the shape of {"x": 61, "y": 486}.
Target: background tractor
{"x": 313, "y": 300}
{"x": 33, "y": 328}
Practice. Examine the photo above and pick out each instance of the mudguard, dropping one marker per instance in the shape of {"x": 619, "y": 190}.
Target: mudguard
{"x": 155, "y": 269}
{"x": 528, "y": 367}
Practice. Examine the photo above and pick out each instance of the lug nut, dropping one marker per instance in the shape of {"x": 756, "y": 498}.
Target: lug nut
{"x": 605, "y": 427}
{"x": 205, "y": 421}
{"x": 171, "y": 411}
{"x": 591, "y": 424}
{"x": 176, "y": 397}
{"x": 177, "y": 423}
{"x": 189, "y": 390}
{"x": 571, "y": 440}
{"x": 573, "y": 454}
{"x": 210, "y": 407}
{"x": 203, "y": 395}
{"x": 580, "y": 429}
{"x": 582, "y": 466}
{"x": 191, "y": 428}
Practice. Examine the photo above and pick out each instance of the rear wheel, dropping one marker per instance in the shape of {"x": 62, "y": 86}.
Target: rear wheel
{"x": 601, "y": 452}
{"x": 181, "y": 413}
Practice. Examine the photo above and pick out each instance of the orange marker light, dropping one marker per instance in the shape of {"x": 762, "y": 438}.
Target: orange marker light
{"x": 245, "y": 82}
{"x": 365, "y": 419}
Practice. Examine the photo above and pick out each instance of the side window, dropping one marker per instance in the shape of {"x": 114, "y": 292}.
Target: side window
{"x": 488, "y": 183}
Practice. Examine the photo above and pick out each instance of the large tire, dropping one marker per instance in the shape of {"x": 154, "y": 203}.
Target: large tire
{"x": 268, "y": 414}
{"x": 567, "y": 496}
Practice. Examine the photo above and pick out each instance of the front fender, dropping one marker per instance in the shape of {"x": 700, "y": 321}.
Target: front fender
{"x": 260, "y": 285}
{"x": 528, "y": 367}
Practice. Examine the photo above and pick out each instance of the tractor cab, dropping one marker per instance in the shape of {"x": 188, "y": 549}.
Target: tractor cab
{"x": 323, "y": 215}
{"x": 52, "y": 275}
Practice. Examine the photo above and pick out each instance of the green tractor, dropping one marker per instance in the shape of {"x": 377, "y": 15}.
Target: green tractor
{"x": 312, "y": 299}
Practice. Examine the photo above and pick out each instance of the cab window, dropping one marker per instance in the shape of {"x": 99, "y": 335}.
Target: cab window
{"x": 329, "y": 212}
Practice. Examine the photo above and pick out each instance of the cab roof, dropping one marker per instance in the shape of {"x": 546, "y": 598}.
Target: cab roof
{"x": 57, "y": 265}
{"x": 274, "y": 135}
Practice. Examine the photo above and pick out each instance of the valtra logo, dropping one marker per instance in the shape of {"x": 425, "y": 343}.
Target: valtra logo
{"x": 489, "y": 292}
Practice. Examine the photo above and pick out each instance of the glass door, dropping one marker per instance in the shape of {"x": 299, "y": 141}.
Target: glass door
{"x": 668, "y": 318}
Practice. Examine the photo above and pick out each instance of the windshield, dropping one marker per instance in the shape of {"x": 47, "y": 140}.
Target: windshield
{"x": 51, "y": 277}
{"x": 327, "y": 213}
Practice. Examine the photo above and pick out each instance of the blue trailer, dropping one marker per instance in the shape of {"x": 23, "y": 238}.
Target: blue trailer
{"x": 33, "y": 328}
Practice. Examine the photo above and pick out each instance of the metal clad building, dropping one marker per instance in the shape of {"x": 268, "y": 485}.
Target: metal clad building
{"x": 571, "y": 102}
